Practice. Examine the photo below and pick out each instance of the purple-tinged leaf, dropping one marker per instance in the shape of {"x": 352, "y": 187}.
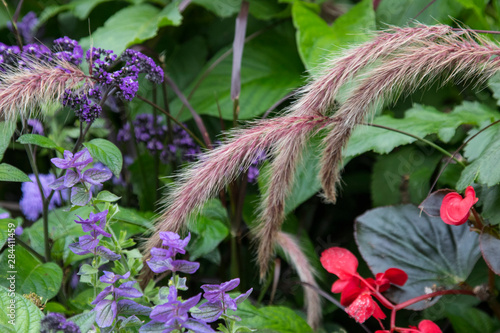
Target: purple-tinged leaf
{"x": 102, "y": 295}
{"x": 71, "y": 178}
{"x": 106, "y": 313}
{"x": 184, "y": 266}
{"x": 208, "y": 312}
{"x": 215, "y": 292}
{"x": 489, "y": 249}
{"x": 153, "y": 327}
{"x": 160, "y": 266}
{"x": 57, "y": 184}
{"x": 63, "y": 163}
{"x": 80, "y": 196}
{"x": 110, "y": 277}
{"x": 432, "y": 204}
{"x": 82, "y": 159}
{"x": 243, "y": 297}
{"x": 238, "y": 44}
{"x": 77, "y": 249}
{"x": 87, "y": 242}
{"x": 161, "y": 254}
{"x": 107, "y": 253}
{"x": 126, "y": 290}
{"x": 128, "y": 307}
{"x": 130, "y": 322}
{"x": 174, "y": 241}
{"x": 96, "y": 176}
{"x": 198, "y": 326}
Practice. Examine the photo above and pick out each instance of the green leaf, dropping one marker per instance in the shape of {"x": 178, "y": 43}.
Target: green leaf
{"x": 143, "y": 181}
{"x": 317, "y": 40}
{"x": 489, "y": 249}
{"x": 403, "y": 12}
{"x": 106, "y": 196}
{"x": 402, "y": 237}
{"x": 8, "y": 173}
{"x": 270, "y": 69}
{"x": 86, "y": 269}
{"x": 490, "y": 201}
{"x": 132, "y": 25}
{"x": 31, "y": 274}
{"x": 61, "y": 225}
{"x": 466, "y": 319}
{"x": 7, "y": 129}
{"x": 421, "y": 121}
{"x": 39, "y": 140}
{"x": 4, "y": 231}
{"x": 403, "y": 176}
{"x": 107, "y": 153}
{"x": 271, "y": 319}
{"x": 134, "y": 217}
{"x": 84, "y": 320}
{"x": 210, "y": 227}
{"x": 222, "y": 8}
{"x": 484, "y": 153}
{"x": 82, "y": 8}
{"x": 26, "y": 316}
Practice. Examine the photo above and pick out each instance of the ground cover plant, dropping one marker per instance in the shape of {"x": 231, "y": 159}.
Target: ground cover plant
{"x": 249, "y": 166}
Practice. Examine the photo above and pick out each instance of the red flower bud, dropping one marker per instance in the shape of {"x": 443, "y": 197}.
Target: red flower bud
{"x": 455, "y": 210}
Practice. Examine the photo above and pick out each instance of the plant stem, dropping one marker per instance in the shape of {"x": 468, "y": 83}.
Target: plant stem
{"x": 409, "y": 302}
{"x": 30, "y": 249}
{"x": 174, "y": 120}
{"x": 430, "y": 143}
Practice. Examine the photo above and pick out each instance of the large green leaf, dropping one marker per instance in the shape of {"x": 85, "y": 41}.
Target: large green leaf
{"x": 84, "y": 320}
{"x": 432, "y": 253}
{"x": 31, "y": 275}
{"x": 271, "y": 319}
{"x": 107, "y": 153}
{"x": 9, "y": 173}
{"x": 6, "y": 230}
{"x": 132, "y": 25}
{"x": 467, "y": 319}
{"x": 404, "y": 12}
{"x": 26, "y": 315}
{"x": 484, "y": 153}
{"x": 403, "y": 176}
{"x": 7, "y": 129}
{"x": 210, "y": 228}
{"x": 270, "y": 69}
{"x": 222, "y": 8}
{"x": 421, "y": 121}
{"x": 61, "y": 225}
{"x": 39, "y": 140}
{"x": 317, "y": 40}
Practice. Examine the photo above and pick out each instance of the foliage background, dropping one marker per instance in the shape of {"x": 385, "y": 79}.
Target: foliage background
{"x": 287, "y": 40}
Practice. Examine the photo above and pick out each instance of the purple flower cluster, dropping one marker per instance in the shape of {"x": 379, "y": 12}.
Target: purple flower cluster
{"x": 253, "y": 170}
{"x": 26, "y": 27}
{"x": 79, "y": 181}
{"x": 218, "y": 301}
{"x": 89, "y": 243}
{"x": 55, "y": 322}
{"x": 31, "y": 202}
{"x": 68, "y": 50}
{"x": 107, "y": 309}
{"x": 155, "y": 134}
{"x": 85, "y": 106}
{"x": 162, "y": 260}
{"x": 64, "y": 48}
{"x": 173, "y": 315}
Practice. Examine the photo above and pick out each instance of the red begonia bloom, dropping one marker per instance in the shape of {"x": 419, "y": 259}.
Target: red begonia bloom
{"x": 363, "y": 308}
{"x": 425, "y": 326}
{"x": 455, "y": 210}
{"x": 392, "y": 275}
{"x": 340, "y": 262}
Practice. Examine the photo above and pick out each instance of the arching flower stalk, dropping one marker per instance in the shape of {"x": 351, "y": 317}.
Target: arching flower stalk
{"x": 395, "y": 62}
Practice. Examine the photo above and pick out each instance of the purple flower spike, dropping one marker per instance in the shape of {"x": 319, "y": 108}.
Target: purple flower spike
{"x": 107, "y": 309}
{"x": 174, "y": 241}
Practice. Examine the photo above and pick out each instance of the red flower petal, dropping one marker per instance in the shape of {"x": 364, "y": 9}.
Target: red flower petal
{"x": 363, "y": 308}
{"x": 455, "y": 210}
{"x": 351, "y": 291}
{"x": 427, "y": 326}
{"x": 340, "y": 262}
{"x": 339, "y": 285}
{"x": 396, "y": 276}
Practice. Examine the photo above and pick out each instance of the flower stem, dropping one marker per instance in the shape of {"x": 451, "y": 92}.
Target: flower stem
{"x": 431, "y": 295}
{"x": 430, "y": 143}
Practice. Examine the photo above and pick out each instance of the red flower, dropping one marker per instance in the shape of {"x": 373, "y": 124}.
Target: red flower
{"x": 392, "y": 275}
{"x": 425, "y": 326}
{"x": 363, "y": 308}
{"x": 455, "y": 210}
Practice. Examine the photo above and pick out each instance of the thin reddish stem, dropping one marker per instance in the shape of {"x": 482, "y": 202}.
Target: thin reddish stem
{"x": 431, "y": 295}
